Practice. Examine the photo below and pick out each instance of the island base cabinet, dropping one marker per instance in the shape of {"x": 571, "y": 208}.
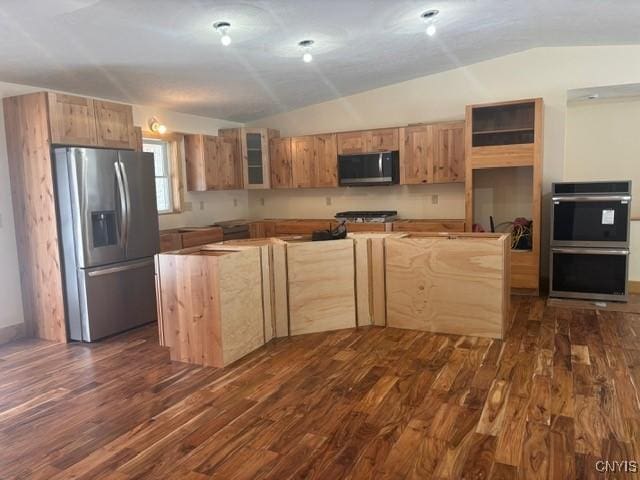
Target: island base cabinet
{"x": 448, "y": 284}
{"x": 210, "y": 304}
{"x": 321, "y": 286}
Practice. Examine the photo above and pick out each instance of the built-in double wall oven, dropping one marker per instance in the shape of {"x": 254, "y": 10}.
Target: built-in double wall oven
{"x": 590, "y": 240}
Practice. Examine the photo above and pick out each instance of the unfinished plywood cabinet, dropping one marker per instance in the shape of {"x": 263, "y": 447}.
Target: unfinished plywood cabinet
{"x": 210, "y": 304}
{"x": 449, "y": 283}
{"x": 321, "y": 286}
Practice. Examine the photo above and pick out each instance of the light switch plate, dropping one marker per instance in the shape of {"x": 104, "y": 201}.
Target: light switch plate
{"x": 434, "y": 199}
{"x": 328, "y": 201}
{"x": 235, "y": 202}
{"x": 201, "y": 205}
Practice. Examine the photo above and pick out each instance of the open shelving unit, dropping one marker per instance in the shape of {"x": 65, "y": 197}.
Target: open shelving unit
{"x": 504, "y": 176}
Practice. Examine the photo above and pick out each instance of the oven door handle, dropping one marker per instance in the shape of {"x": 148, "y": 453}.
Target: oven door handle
{"x": 590, "y": 251}
{"x": 592, "y": 198}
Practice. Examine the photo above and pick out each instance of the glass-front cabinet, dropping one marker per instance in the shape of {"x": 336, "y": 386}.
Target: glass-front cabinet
{"x": 252, "y": 152}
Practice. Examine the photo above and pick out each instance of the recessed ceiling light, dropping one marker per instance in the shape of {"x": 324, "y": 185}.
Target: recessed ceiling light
{"x": 429, "y": 18}
{"x": 221, "y": 28}
{"x": 306, "y": 46}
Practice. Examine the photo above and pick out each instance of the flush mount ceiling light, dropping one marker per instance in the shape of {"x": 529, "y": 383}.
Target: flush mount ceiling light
{"x": 221, "y": 28}
{"x": 428, "y": 17}
{"x": 157, "y": 127}
{"x": 306, "y": 46}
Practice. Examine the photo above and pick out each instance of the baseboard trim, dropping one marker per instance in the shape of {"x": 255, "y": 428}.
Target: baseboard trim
{"x": 634, "y": 287}
{"x": 12, "y": 332}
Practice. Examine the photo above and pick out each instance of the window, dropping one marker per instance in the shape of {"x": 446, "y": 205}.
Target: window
{"x": 160, "y": 150}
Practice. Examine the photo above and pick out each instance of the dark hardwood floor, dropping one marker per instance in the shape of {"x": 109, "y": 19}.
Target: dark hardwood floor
{"x": 560, "y": 393}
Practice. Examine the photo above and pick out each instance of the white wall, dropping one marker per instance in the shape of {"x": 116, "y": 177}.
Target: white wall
{"x": 217, "y": 206}
{"x": 603, "y": 143}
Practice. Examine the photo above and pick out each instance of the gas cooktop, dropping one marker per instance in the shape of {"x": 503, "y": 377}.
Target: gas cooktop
{"x": 368, "y": 216}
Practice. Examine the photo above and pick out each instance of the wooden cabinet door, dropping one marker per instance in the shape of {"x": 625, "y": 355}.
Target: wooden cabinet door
{"x": 114, "y": 125}
{"x": 448, "y": 163}
{"x": 229, "y": 170}
{"x": 326, "y": 160}
{"x": 416, "y": 155}
{"x": 302, "y": 162}
{"x": 195, "y": 167}
{"x": 351, "y": 142}
{"x": 214, "y": 172}
{"x": 383, "y": 140}
{"x": 280, "y": 159}
{"x": 72, "y": 120}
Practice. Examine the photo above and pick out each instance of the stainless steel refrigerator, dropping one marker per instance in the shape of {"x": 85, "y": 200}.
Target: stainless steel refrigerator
{"x": 109, "y": 226}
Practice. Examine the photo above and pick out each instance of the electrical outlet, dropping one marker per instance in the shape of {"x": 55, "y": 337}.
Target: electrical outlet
{"x": 328, "y": 201}
{"x": 235, "y": 202}
{"x": 201, "y": 205}
{"x": 262, "y": 201}
{"x": 434, "y": 199}
{"x": 188, "y": 206}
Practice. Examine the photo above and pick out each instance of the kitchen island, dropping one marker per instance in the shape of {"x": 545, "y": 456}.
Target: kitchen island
{"x": 221, "y": 301}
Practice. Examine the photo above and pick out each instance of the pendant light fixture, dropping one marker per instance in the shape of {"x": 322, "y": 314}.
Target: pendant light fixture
{"x": 306, "y": 46}
{"x": 221, "y": 28}
{"x": 429, "y": 18}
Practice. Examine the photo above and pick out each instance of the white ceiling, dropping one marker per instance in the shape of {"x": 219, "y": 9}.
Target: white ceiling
{"x": 165, "y": 53}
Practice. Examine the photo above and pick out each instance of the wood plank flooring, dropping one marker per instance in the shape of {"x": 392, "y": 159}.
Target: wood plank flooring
{"x": 560, "y": 393}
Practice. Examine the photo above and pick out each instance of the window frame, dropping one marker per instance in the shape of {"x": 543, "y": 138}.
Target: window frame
{"x": 174, "y": 149}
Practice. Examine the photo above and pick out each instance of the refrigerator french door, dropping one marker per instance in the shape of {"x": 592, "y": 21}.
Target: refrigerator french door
{"x": 109, "y": 234}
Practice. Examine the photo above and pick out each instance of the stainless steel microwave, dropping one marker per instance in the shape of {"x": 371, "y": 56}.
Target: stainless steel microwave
{"x": 369, "y": 169}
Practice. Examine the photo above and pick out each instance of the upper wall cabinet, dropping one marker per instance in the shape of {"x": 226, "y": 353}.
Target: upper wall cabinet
{"x": 432, "y": 153}
{"x": 114, "y": 124}
{"x": 92, "y": 123}
{"x": 366, "y": 141}
{"x": 314, "y": 161}
{"x": 280, "y": 160}
{"x": 252, "y": 152}
{"x": 211, "y": 163}
{"x": 72, "y": 120}
{"x": 449, "y": 153}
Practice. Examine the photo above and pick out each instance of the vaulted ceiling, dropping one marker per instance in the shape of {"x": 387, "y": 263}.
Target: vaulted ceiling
{"x": 165, "y": 53}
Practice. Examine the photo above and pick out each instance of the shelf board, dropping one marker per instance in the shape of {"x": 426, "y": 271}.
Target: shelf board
{"x": 504, "y": 130}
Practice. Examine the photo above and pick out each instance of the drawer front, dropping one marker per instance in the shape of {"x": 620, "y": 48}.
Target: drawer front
{"x": 201, "y": 237}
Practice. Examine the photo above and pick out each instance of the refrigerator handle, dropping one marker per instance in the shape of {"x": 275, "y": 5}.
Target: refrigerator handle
{"x": 127, "y": 198}
{"x": 123, "y": 204}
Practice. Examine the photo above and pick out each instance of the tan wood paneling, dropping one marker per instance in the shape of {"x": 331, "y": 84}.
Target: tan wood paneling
{"x": 445, "y": 285}
{"x": 299, "y": 227}
{"x": 280, "y": 158}
{"x": 502, "y": 156}
{"x": 211, "y": 305}
{"x": 321, "y": 286}
{"x": 326, "y": 160}
{"x": 302, "y": 162}
{"x": 365, "y": 227}
{"x": 428, "y": 226}
{"x": 634, "y": 287}
{"x": 194, "y": 163}
{"x": 280, "y": 290}
{"x": 416, "y": 154}
{"x": 72, "y": 120}
{"x": 114, "y": 125}
{"x": 449, "y": 158}
{"x": 30, "y": 169}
